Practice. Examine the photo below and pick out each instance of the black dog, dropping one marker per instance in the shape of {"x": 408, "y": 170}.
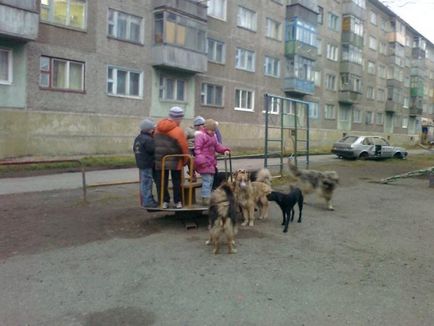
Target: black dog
{"x": 286, "y": 203}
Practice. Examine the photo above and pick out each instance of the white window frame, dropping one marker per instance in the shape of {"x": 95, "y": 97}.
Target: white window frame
{"x": 379, "y": 118}
{"x": 273, "y": 25}
{"x": 371, "y": 67}
{"x": 313, "y": 110}
{"x": 49, "y": 6}
{"x": 204, "y": 94}
{"x": 241, "y": 59}
{"x": 372, "y": 43}
{"x": 115, "y": 20}
{"x": 50, "y": 73}
{"x": 238, "y": 105}
{"x": 274, "y": 63}
{"x": 404, "y": 123}
{"x": 330, "y": 78}
{"x": 113, "y": 81}
{"x": 344, "y": 114}
{"x": 212, "y": 9}
{"x": 357, "y": 115}
{"x": 247, "y": 18}
{"x": 333, "y": 22}
{"x": 214, "y": 50}
{"x": 329, "y": 112}
{"x": 373, "y": 18}
{"x": 332, "y": 52}
{"x": 9, "y": 68}
{"x": 163, "y": 89}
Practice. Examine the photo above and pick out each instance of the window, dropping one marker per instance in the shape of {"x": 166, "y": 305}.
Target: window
{"x": 381, "y": 71}
{"x": 273, "y": 29}
{"x": 379, "y": 118}
{"x": 302, "y": 68}
{"x": 404, "y": 123}
{"x": 351, "y": 82}
{"x": 216, "y": 51}
{"x": 370, "y": 94}
{"x": 352, "y": 24}
{"x": 320, "y": 15}
{"x": 406, "y": 102}
{"x": 313, "y": 110}
{"x": 71, "y": 13}
{"x": 124, "y": 26}
{"x": 319, "y": 46}
{"x": 174, "y": 29}
{"x": 382, "y": 48}
{"x": 317, "y": 78}
{"x": 352, "y": 53}
{"x": 6, "y": 66}
{"x": 329, "y": 112}
{"x": 371, "y": 67}
{"x": 217, "y": 9}
{"x": 172, "y": 89}
{"x": 61, "y": 74}
{"x": 274, "y": 107}
{"x": 333, "y": 22}
{"x": 369, "y": 118}
{"x": 373, "y": 18}
{"x": 245, "y": 59}
{"x": 123, "y": 82}
{"x": 298, "y": 30}
{"x": 372, "y": 43}
{"x": 381, "y": 95}
{"x": 330, "y": 82}
{"x": 272, "y": 67}
{"x": 332, "y": 52}
{"x": 211, "y": 95}
{"x": 244, "y": 100}
{"x": 360, "y": 3}
{"x": 344, "y": 114}
{"x": 246, "y": 18}
{"x": 357, "y": 115}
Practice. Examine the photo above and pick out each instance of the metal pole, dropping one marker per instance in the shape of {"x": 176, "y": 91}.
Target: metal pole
{"x": 266, "y": 99}
{"x": 83, "y": 179}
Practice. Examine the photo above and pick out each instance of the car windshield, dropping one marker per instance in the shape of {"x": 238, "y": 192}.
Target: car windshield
{"x": 348, "y": 139}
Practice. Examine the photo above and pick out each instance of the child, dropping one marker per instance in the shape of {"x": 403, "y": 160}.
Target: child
{"x": 205, "y": 148}
{"x": 144, "y": 150}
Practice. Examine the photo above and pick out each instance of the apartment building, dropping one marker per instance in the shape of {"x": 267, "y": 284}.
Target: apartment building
{"x": 77, "y": 76}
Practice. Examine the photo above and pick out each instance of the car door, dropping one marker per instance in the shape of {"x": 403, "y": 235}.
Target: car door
{"x": 368, "y": 146}
{"x": 386, "y": 149}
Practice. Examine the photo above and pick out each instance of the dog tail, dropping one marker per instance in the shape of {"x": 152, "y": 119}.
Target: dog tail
{"x": 264, "y": 175}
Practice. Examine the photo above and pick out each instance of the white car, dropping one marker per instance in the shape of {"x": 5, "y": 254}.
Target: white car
{"x": 365, "y": 147}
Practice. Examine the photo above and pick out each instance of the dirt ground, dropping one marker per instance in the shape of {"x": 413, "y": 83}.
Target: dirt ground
{"x": 109, "y": 262}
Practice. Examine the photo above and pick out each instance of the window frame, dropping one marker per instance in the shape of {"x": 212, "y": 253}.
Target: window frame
{"x": 162, "y": 92}
{"x": 216, "y": 42}
{"x": 327, "y": 108}
{"x": 204, "y": 94}
{"x": 274, "y": 60}
{"x": 50, "y": 15}
{"x": 115, "y": 23}
{"x": 239, "y": 108}
{"x": 278, "y": 27}
{"x": 127, "y": 83}
{"x": 253, "y": 18}
{"x": 10, "y": 64}
{"x": 241, "y": 55}
{"x": 50, "y": 73}
{"x": 211, "y": 4}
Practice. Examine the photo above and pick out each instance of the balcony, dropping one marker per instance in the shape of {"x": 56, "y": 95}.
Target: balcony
{"x": 396, "y": 37}
{"x": 190, "y": 7}
{"x": 415, "y": 111}
{"x": 395, "y": 83}
{"x": 309, "y": 4}
{"x": 306, "y": 11}
{"x": 293, "y": 48}
{"x": 349, "y": 97}
{"x": 353, "y": 39}
{"x": 393, "y": 106}
{"x": 179, "y": 42}
{"x": 19, "y": 19}
{"x": 298, "y": 86}
{"x": 416, "y": 91}
{"x": 350, "y": 8}
{"x": 351, "y": 67}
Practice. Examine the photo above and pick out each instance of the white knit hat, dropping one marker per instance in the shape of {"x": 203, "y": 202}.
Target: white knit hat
{"x": 176, "y": 112}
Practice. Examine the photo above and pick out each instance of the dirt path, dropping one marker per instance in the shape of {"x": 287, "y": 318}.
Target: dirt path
{"x": 108, "y": 262}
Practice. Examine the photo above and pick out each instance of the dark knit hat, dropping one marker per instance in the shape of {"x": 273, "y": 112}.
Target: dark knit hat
{"x": 176, "y": 112}
{"x": 147, "y": 124}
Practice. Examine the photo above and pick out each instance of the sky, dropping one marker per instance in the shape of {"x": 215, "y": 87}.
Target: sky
{"x": 418, "y": 14}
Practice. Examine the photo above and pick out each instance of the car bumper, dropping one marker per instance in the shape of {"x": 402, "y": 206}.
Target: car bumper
{"x": 343, "y": 153}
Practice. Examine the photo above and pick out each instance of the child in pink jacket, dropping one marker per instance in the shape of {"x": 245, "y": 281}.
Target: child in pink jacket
{"x": 205, "y": 149}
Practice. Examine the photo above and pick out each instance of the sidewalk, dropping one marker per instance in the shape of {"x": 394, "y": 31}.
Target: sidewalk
{"x": 74, "y": 180}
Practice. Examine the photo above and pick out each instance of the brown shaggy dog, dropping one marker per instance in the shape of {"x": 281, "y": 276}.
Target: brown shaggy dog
{"x": 309, "y": 181}
{"x": 222, "y": 216}
{"x": 249, "y": 194}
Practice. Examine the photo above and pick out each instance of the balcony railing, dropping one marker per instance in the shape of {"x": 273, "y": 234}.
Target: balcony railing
{"x": 19, "y": 19}
{"x": 350, "y": 8}
{"x": 349, "y": 97}
{"x": 299, "y": 48}
{"x": 177, "y": 58}
{"x": 393, "y": 106}
{"x": 300, "y": 86}
{"x": 194, "y": 8}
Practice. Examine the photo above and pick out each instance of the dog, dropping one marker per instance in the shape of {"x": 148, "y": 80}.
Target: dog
{"x": 262, "y": 175}
{"x": 249, "y": 195}
{"x": 222, "y": 216}
{"x": 309, "y": 181}
{"x": 286, "y": 203}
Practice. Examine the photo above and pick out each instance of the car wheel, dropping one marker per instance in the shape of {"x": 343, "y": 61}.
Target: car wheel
{"x": 363, "y": 156}
{"x": 398, "y": 155}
